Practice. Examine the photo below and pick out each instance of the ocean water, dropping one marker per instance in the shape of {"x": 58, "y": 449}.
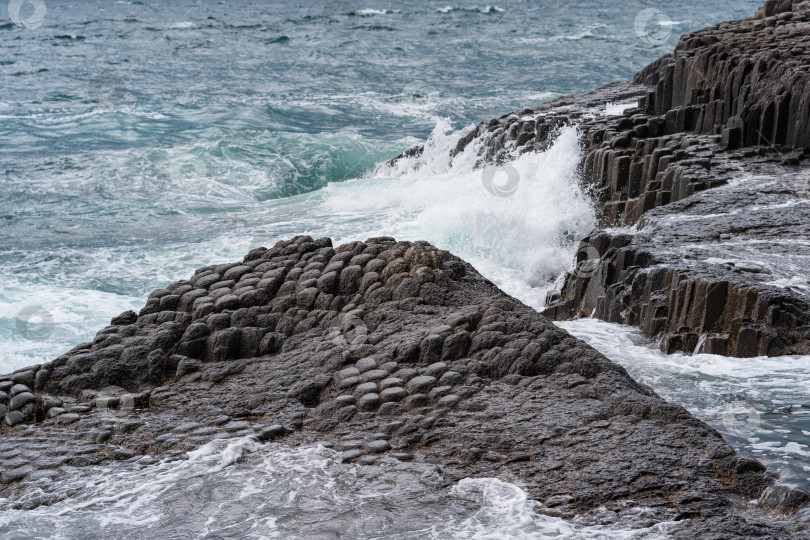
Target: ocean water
{"x": 242, "y": 489}
{"x": 142, "y": 140}
{"x": 760, "y": 405}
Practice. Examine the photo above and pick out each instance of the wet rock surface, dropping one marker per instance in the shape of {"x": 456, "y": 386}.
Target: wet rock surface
{"x": 403, "y": 352}
{"x": 702, "y": 186}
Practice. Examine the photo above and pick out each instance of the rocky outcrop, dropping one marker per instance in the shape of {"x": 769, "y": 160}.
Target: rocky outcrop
{"x": 717, "y": 131}
{"x": 377, "y": 348}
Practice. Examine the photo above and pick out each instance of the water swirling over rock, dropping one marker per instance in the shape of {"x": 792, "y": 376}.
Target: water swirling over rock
{"x": 377, "y": 348}
{"x": 698, "y": 171}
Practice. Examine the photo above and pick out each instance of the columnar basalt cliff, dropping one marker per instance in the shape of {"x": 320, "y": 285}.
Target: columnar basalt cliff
{"x": 704, "y": 176}
{"x": 380, "y": 349}
{"x": 387, "y": 350}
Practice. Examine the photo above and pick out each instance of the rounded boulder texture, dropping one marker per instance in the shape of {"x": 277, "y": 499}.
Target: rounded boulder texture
{"x": 21, "y": 400}
{"x": 338, "y": 391}
{"x": 391, "y": 382}
{"x": 206, "y": 281}
{"x": 18, "y": 389}
{"x": 125, "y": 318}
{"x": 437, "y": 369}
{"x": 41, "y": 379}
{"x": 365, "y": 364}
{"x": 306, "y": 298}
{"x": 368, "y": 402}
{"x": 23, "y": 377}
{"x": 326, "y": 283}
{"x": 344, "y": 374}
{"x": 421, "y": 384}
{"x": 345, "y": 400}
{"x": 236, "y": 272}
{"x": 450, "y": 400}
{"x": 365, "y": 388}
{"x": 13, "y": 418}
{"x": 350, "y": 280}
{"x": 391, "y": 408}
{"x": 416, "y": 400}
{"x": 406, "y": 374}
{"x": 377, "y": 447}
{"x": 53, "y": 412}
{"x": 374, "y": 375}
{"x": 14, "y": 475}
{"x": 439, "y": 392}
{"x": 390, "y": 367}
{"x": 450, "y": 378}
{"x": 395, "y": 393}
{"x": 349, "y": 382}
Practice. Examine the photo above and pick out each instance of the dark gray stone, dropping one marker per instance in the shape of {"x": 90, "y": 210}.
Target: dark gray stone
{"x": 20, "y": 400}
{"x": 537, "y": 406}
{"x": 368, "y": 402}
{"x": 393, "y": 393}
{"x": 421, "y": 384}
{"x": 377, "y": 447}
{"x": 14, "y": 475}
{"x": 13, "y": 418}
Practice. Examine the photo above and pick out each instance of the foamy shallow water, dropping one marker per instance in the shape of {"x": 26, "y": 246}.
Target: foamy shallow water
{"x": 222, "y": 126}
{"x": 243, "y": 489}
{"x": 760, "y": 405}
{"x": 429, "y": 198}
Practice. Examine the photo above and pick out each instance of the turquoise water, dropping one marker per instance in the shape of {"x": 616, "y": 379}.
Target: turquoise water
{"x": 142, "y": 140}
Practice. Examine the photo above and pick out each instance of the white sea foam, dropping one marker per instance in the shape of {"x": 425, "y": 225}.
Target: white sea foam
{"x": 617, "y": 109}
{"x": 446, "y": 202}
{"x": 761, "y": 405}
{"x": 369, "y": 12}
{"x": 242, "y": 489}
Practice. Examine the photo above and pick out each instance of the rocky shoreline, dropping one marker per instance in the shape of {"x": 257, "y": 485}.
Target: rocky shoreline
{"x": 390, "y": 349}
{"x": 377, "y": 348}
{"x": 716, "y": 142}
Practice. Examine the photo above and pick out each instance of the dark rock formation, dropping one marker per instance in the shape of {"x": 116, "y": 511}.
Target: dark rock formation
{"x": 377, "y": 348}
{"x": 708, "y": 171}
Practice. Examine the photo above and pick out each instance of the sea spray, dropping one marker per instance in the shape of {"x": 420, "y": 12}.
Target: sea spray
{"x": 521, "y": 241}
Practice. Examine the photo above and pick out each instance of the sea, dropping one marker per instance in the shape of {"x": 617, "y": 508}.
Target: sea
{"x": 140, "y": 140}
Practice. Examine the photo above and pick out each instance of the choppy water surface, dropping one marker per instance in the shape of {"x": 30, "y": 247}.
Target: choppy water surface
{"x": 760, "y": 405}
{"x": 243, "y": 489}
{"x": 144, "y": 139}
{"x": 141, "y": 140}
